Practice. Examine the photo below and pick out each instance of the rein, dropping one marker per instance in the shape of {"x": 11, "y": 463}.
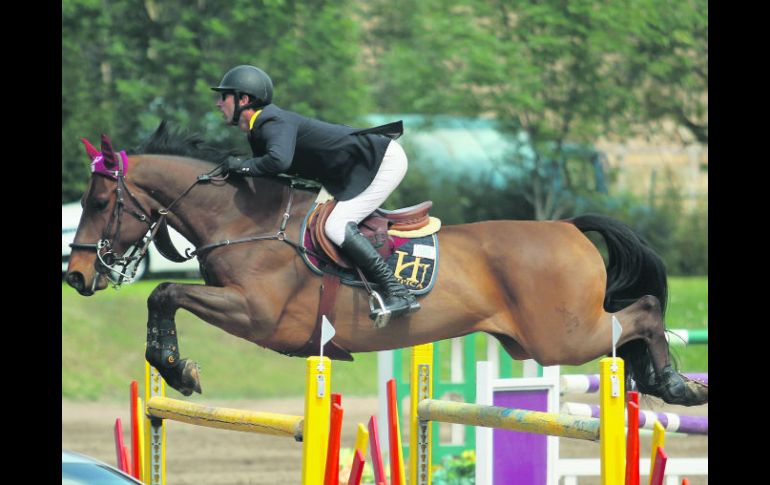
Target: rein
{"x": 161, "y": 221}
{"x": 279, "y": 236}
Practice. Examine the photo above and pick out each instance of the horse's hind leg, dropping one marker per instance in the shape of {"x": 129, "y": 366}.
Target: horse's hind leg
{"x": 219, "y": 306}
{"x": 644, "y": 347}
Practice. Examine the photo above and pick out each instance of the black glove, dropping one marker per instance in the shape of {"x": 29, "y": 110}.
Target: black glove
{"x": 235, "y": 165}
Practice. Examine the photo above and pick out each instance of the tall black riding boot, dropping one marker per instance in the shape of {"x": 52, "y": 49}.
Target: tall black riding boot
{"x": 397, "y": 299}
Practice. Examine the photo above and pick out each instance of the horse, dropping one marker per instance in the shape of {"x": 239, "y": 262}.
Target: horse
{"x": 541, "y": 288}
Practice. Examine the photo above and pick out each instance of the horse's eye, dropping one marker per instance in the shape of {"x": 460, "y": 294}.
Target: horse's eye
{"x": 98, "y": 204}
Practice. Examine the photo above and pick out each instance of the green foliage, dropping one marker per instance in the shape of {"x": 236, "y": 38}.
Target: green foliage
{"x": 573, "y": 69}
{"x": 677, "y": 233}
{"x": 367, "y": 477}
{"x": 558, "y": 70}
{"x": 671, "y": 62}
{"x": 456, "y": 470}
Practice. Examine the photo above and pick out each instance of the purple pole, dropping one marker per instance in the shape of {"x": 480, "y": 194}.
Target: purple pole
{"x": 589, "y": 383}
{"x": 670, "y": 421}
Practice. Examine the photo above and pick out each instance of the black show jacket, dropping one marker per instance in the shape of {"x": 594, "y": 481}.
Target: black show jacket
{"x": 343, "y": 159}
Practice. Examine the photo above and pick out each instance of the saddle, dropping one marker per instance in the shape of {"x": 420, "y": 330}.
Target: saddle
{"x": 375, "y": 228}
{"x": 401, "y": 231}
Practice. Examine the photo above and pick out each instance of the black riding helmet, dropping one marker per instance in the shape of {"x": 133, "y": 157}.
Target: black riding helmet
{"x": 249, "y": 80}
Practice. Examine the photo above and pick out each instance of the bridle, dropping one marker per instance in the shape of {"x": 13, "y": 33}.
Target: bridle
{"x": 107, "y": 260}
{"x": 109, "y": 263}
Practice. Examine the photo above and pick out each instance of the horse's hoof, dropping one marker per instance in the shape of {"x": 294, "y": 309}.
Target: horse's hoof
{"x": 678, "y": 389}
{"x": 693, "y": 395}
{"x": 190, "y": 378}
{"x": 698, "y": 392}
{"x": 184, "y": 376}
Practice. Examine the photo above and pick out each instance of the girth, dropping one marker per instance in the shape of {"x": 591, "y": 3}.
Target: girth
{"x": 329, "y": 287}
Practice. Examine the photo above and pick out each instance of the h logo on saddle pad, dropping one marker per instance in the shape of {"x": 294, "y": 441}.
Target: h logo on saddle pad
{"x": 405, "y": 238}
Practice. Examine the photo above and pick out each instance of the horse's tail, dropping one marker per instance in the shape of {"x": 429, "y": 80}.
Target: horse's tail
{"x": 633, "y": 270}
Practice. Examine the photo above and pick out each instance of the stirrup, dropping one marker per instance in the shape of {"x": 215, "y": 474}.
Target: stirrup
{"x": 377, "y": 307}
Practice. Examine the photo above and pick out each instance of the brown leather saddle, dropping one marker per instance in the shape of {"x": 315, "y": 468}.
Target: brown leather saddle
{"x": 375, "y": 228}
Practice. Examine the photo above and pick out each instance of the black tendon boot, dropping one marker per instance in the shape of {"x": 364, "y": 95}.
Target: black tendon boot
{"x": 162, "y": 352}
{"x": 397, "y": 299}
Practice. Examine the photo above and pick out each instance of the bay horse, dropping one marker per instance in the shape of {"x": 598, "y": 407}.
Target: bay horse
{"x": 540, "y": 287}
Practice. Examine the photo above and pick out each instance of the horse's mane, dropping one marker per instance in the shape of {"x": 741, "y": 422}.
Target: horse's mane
{"x": 169, "y": 141}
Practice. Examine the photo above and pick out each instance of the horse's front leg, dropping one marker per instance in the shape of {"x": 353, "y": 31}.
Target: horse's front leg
{"x": 223, "y": 307}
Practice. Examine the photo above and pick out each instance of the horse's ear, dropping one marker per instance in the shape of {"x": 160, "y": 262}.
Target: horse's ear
{"x": 92, "y": 152}
{"x": 108, "y": 153}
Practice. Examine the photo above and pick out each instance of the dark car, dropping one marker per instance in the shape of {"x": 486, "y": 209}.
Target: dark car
{"x": 79, "y": 469}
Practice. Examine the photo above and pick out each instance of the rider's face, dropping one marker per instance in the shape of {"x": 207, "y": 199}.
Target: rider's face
{"x": 225, "y": 103}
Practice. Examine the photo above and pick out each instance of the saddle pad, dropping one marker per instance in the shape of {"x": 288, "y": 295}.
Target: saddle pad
{"x": 414, "y": 262}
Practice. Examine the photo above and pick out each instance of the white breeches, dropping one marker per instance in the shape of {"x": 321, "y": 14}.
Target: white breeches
{"x": 391, "y": 172}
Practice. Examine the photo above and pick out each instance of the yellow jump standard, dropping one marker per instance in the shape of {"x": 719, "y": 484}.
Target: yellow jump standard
{"x": 312, "y": 429}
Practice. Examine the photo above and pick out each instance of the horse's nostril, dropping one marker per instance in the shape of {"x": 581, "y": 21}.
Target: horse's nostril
{"x": 75, "y": 280}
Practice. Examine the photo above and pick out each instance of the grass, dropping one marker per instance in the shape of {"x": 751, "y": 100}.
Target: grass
{"x": 103, "y": 339}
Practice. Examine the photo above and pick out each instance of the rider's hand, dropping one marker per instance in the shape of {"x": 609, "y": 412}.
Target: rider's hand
{"x": 235, "y": 165}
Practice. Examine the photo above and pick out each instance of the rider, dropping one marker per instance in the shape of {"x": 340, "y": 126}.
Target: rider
{"x": 360, "y": 168}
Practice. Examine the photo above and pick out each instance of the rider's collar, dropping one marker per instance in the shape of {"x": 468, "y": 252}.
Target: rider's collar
{"x": 254, "y": 118}
{"x": 97, "y": 166}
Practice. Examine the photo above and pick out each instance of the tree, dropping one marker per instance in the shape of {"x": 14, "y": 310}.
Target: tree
{"x": 558, "y": 71}
{"x": 670, "y": 64}
{"x": 128, "y": 64}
